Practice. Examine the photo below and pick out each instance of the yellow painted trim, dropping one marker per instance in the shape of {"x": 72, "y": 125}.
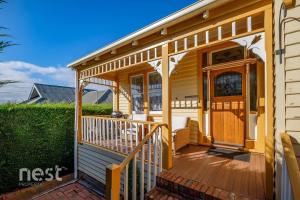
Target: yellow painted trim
{"x": 269, "y": 143}
{"x": 292, "y": 164}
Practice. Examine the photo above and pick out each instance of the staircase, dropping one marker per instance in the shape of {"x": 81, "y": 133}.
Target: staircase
{"x": 170, "y": 186}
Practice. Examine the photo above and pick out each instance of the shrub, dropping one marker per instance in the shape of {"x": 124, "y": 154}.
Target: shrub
{"x": 37, "y": 136}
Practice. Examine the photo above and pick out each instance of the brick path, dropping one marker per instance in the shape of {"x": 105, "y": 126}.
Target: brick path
{"x": 74, "y": 191}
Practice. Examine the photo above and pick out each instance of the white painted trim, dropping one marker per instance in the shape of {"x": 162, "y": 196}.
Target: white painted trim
{"x": 174, "y": 18}
{"x": 157, "y": 65}
{"x": 172, "y": 63}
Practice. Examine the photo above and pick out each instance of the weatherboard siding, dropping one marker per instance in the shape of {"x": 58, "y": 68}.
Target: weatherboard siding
{"x": 185, "y": 92}
{"x": 93, "y": 161}
{"x": 287, "y": 83}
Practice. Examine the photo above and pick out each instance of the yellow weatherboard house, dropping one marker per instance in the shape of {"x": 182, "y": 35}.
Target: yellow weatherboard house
{"x": 194, "y": 106}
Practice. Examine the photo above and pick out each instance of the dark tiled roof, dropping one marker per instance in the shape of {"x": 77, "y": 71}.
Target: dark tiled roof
{"x": 97, "y": 97}
{"x": 56, "y": 94}
{"x": 42, "y": 93}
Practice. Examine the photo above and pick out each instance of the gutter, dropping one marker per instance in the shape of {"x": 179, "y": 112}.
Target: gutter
{"x": 181, "y": 14}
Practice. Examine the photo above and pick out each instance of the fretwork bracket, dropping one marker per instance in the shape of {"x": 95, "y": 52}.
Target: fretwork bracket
{"x": 255, "y": 42}
{"x": 157, "y": 65}
{"x": 174, "y": 60}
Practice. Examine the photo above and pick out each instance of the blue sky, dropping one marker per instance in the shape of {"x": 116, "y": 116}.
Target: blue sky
{"x": 53, "y": 33}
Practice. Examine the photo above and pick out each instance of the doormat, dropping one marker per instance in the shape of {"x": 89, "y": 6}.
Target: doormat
{"x": 231, "y": 154}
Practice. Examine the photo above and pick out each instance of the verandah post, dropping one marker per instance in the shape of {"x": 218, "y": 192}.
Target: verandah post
{"x": 113, "y": 182}
{"x": 77, "y": 124}
{"x": 166, "y": 109}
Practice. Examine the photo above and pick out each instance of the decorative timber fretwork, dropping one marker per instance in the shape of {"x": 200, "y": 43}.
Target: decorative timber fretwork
{"x": 157, "y": 65}
{"x": 255, "y": 43}
{"x": 174, "y": 60}
{"x": 236, "y": 29}
{"x": 142, "y": 56}
{"x": 222, "y": 31}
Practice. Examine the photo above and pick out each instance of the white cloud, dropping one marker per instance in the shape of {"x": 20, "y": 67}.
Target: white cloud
{"x": 26, "y": 74}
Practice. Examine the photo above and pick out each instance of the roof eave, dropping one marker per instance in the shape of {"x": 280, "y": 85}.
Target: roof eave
{"x": 147, "y": 29}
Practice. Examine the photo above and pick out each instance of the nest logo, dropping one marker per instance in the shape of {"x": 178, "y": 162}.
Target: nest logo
{"x": 27, "y": 177}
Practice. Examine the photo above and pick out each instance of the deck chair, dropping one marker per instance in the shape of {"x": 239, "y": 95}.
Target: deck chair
{"x": 180, "y": 132}
{"x": 135, "y": 128}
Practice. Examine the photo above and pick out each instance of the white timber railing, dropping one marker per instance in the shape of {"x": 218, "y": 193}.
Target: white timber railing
{"x": 116, "y": 134}
{"x": 145, "y": 162}
{"x": 142, "y": 56}
{"x": 290, "y": 177}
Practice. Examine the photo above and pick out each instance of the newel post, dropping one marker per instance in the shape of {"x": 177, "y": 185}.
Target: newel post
{"x": 166, "y": 109}
{"x": 113, "y": 182}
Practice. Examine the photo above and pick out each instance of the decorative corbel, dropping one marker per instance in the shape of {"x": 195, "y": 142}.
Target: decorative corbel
{"x": 157, "y": 65}
{"x": 82, "y": 84}
{"x": 174, "y": 60}
{"x": 255, "y": 42}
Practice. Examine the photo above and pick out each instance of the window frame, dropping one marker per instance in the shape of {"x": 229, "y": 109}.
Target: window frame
{"x": 131, "y": 104}
{"x": 222, "y": 49}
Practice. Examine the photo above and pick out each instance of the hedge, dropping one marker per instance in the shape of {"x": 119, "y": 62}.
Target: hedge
{"x": 37, "y": 136}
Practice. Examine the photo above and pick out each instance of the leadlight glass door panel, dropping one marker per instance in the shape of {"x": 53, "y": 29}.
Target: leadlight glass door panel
{"x": 228, "y": 84}
{"x": 137, "y": 93}
{"x": 228, "y": 106}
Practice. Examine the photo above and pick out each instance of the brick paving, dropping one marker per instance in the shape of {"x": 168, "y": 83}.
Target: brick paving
{"x": 73, "y": 191}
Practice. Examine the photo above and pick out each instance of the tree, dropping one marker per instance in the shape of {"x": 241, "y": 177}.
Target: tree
{"x": 4, "y": 44}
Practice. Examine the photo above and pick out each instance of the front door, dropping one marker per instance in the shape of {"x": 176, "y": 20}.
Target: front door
{"x": 228, "y": 106}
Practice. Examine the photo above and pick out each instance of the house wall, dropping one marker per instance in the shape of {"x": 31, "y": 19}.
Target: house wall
{"x": 184, "y": 81}
{"x": 93, "y": 161}
{"x": 287, "y": 83}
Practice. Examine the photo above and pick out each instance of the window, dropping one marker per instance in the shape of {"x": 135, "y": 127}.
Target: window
{"x": 155, "y": 92}
{"x": 228, "y": 84}
{"x": 137, "y": 93}
{"x": 227, "y": 55}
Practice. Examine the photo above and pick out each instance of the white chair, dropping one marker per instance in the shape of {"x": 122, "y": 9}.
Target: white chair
{"x": 180, "y": 132}
{"x": 135, "y": 128}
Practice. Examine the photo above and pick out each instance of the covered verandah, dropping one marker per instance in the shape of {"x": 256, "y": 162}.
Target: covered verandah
{"x": 148, "y": 143}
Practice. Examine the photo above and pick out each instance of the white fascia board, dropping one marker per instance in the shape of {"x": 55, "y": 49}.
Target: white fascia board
{"x": 148, "y": 29}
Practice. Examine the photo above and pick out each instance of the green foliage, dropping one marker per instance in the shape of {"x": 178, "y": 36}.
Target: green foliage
{"x": 37, "y": 136}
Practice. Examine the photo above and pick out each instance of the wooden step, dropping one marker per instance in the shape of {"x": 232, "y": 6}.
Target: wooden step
{"x": 191, "y": 189}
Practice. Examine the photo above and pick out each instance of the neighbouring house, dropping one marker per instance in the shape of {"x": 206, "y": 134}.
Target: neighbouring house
{"x": 43, "y": 93}
{"x": 208, "y": 99}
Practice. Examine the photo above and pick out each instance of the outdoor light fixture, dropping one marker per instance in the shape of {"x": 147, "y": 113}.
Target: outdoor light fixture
{"x": 164, "y": 31}
{"x": 135, "y": 43}
{"x": 205, "y": 14}
{"x": 113, "y": 51}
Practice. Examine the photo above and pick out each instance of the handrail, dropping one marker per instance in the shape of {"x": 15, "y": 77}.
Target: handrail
{"x": 120, "y": 119}
{"x": 292, "y": 165}
{"x": 140, "y": 146}
{"x": 114, "y": 171}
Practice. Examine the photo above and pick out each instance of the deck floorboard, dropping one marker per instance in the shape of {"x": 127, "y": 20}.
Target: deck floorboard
{"x": 241, "y": 173}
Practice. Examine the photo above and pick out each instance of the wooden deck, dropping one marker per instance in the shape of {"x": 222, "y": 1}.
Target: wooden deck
{"x": 240, "y": 173}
